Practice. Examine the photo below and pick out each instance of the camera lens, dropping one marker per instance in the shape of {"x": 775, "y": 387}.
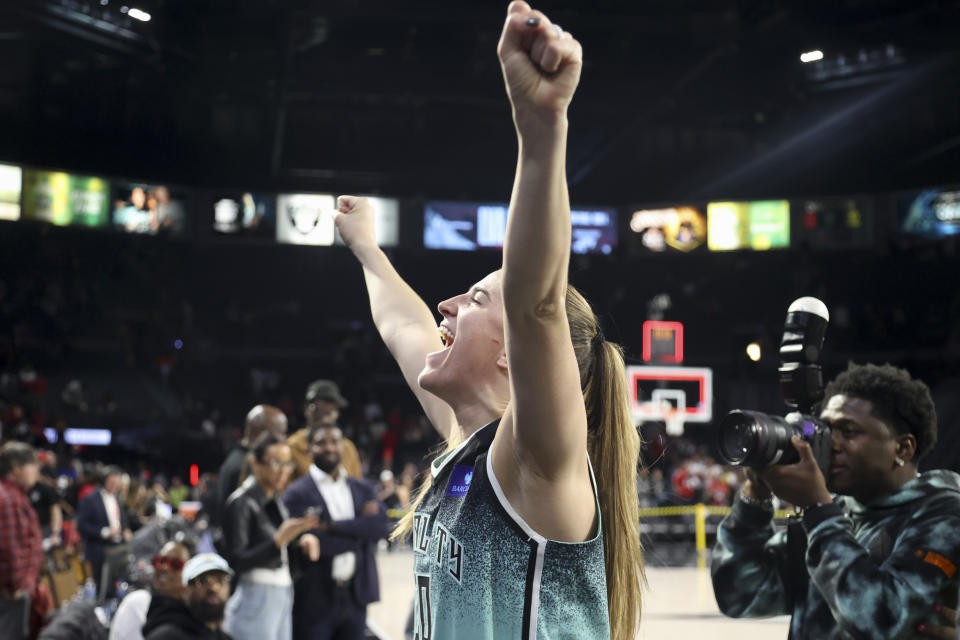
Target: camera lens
{"x": 737, "y": 437}
{"x": 755, "y": 439}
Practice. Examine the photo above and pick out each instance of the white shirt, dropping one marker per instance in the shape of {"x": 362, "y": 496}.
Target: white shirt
{"x": 113, "y": 512}
{"x": 127, "y": 623}
{"x": 339, "y": 499}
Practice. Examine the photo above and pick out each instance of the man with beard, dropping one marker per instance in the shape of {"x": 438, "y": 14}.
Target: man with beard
{"x": 206, "y": 578}
{"x": 322, "y": 404}
{"x": 331, "y": 597}
{"x": 876, "y": 560}
{"x": 165, "y": 592}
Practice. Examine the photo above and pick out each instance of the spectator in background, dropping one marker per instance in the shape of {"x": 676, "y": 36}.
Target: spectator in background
{"x": 46, "y": 502}
{"x": 206, "y": 578}
{"x": 21, "y": 541}
{"x": 322, "y": 404}
{"x": 258, "y": 533}
{"x": 261, "y": 418}
{"x": 166, "y": 592}
{"x": 101, "y": 521}
{"x": 178, "y": 492}
{"x": 331, "y": 597}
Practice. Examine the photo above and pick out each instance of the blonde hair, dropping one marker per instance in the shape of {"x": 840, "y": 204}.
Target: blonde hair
{"x": 614, "y": 448}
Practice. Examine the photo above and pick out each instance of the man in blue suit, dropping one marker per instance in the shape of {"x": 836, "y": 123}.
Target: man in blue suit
{"x": 101, "y": 522}
{"x": 332, "y": 594}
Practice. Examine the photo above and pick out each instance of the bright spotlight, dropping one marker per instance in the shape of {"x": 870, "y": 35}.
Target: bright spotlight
{"x": 137, "y": 14}
{"x": 753, "y": 351}
{"x": 811, "y": 56}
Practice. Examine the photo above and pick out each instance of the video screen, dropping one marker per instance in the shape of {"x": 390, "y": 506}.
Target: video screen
{"x": 671, "y": 229}
{"x": 759, "y": 225}
{"x": 10, "y": 179}
{"x": 245, "y": 214}
{"x": 835, "y": 223}
{"x": 933, "y": 213}
{"x": 307, "y": 218}
{"x": 150, "y": 209}
{"x": 65, "y": 199}
{"x": 468, "y": 226}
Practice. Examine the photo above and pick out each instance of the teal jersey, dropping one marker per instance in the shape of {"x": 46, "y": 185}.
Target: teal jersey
{"x": 483, "y": 574}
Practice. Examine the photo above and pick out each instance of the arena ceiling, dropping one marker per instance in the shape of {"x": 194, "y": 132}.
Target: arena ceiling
{"x": 679, "y": 99}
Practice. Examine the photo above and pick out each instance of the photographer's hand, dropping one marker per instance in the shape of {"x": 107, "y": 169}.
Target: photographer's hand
{"x": 754, "y": 487}
{"x": 942, "y": 632}
{"x": 802, "y": 483}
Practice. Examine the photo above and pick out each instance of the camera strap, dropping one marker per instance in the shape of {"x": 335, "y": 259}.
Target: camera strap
{"x": 796, "y": 578}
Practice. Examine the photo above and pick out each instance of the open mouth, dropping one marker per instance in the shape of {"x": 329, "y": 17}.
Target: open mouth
{"x": 446, "y": 335}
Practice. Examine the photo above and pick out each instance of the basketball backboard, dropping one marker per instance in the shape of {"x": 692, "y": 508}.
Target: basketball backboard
{"x": 665, "y": 393}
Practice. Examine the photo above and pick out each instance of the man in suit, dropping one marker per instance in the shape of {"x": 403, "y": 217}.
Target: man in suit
{"x": 331, "y": 596}
{"x": 101, "y": 522}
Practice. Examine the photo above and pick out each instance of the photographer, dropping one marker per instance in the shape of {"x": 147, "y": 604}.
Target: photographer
{"x": 877, "y": 560}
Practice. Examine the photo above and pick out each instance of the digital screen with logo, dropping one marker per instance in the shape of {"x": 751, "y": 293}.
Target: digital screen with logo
{"x": 307, "y": 218}
{"x": 670, "y": 229}
{"x": 150, "y": 209}
{"x": 933, "y": 213}
{"x": 468, "y": 226}
{"x": 64, "y": 199}
{"x": 245, "y": 214}
{"x": 835, "y": 223}
{"x": 757, "y": 225}
{"x": 10, "y": 180}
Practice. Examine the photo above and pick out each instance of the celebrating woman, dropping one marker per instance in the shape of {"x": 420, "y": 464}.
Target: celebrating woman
{"x": 527, "y": 526}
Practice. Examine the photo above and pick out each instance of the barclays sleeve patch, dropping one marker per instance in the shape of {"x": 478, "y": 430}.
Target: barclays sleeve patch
{"x": 460, "y": 479}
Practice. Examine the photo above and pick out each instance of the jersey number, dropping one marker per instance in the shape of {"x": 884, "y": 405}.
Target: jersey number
{"x": 423, "y": 629}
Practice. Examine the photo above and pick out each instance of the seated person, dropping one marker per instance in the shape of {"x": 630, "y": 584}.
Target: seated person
{"x": 206, "y": 578}
{"x": 166, "y": 591}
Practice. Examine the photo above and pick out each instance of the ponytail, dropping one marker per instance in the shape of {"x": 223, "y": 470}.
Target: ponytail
{"x": 614, "y": 447}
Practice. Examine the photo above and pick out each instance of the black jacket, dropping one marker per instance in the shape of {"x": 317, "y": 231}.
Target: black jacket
{"x": 169, "y": 619}
{"x": 250, "y": 521}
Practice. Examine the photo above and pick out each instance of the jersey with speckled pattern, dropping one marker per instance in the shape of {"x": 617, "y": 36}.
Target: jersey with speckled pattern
{"x": 482, "y": 574}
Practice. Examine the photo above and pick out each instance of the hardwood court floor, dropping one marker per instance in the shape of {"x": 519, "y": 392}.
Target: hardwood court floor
{"x": 679, "y": 605}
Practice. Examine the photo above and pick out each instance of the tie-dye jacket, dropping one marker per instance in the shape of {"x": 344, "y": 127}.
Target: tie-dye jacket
{"x": 875, "y": 572}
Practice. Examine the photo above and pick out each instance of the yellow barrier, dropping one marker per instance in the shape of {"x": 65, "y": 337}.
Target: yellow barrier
{"x": 700, "y": 513}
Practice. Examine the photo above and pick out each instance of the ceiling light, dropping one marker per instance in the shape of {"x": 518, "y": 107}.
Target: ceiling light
{"x": 137, "y": 14}
{"x": 811, "y": 56}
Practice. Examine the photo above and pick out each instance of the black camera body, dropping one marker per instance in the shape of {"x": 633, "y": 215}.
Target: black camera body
{"x": 758, "y": 440}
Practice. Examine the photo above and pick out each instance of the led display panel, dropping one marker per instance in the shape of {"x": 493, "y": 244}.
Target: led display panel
{"x": 759, "y": 225}
{"x": 933, "y": 213}
{"x": 245, "y": 214}
{"x": 10, "y": 181}
{"x": 65, "y": 199}
{"x": 834, "y": 223}
{"x": 468, "y": 226}
{"x": 307, "y": 218}
{"x": 149, "y": 209}
{"x": 680, "y": 228}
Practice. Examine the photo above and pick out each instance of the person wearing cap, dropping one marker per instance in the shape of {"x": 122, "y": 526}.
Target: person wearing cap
{"x": 165, "y": 592}
{"x": 322, "y": 405}
{"x": 206, "y": 581}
